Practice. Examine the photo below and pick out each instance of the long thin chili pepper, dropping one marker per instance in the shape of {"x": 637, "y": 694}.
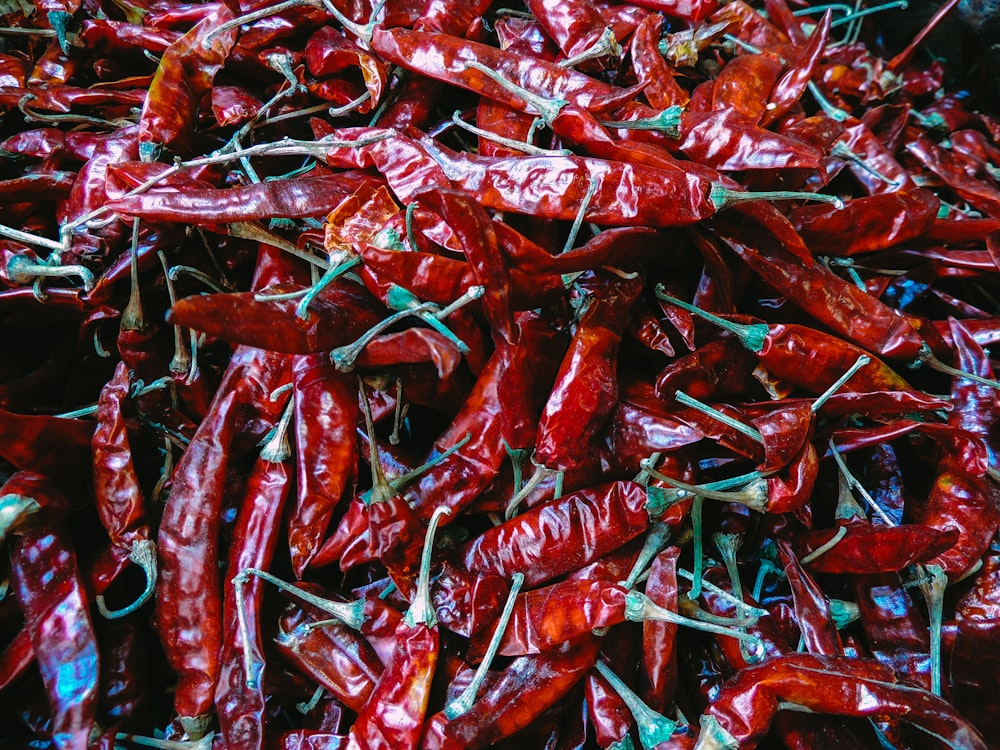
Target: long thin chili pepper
{"x": 338, "y": 316}
{"x": 117, "y": 492}
{"x": 188, "y": 595}
{"x": 239, "y": 692}
{"x": 326, "y": 417}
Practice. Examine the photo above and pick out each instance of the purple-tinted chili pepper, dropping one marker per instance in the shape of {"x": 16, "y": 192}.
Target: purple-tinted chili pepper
{"x": 56, "y": 610}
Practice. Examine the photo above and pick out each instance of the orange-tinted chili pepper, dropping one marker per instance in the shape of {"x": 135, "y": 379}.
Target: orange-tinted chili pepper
{"x": 185, "y": 73}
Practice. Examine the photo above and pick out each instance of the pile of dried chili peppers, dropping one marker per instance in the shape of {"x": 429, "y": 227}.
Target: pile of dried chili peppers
{"x": 431, "y": 374}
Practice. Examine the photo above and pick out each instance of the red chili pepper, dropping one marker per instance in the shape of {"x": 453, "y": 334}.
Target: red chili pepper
{"x": 50, "y": 593}
{"x": 745, "y": 83}
{"x": 745, "y": 707}
{"x": 445, "y": 58}
{"x": 106, "y": 35}
{"x": 328, "y": 52}
{"x": 239, "y": 692}
{"x": 868, "y": 548}
{"x": 118, "y": 495}
{"x": 340, "y": 314}
{"x": 581, "y": 33}
{"x": 793, "y": 83}
{"x": 694, "y": 11}
{"x": 326, "y": 418}
{"x": 395, "y": 711}
{"x": 895, "y": 628}
{"x": 812, "y": 609}
{"x": 522, "y": 692}
{"x": 188, "y": 596}
{"x": 729, "y": 141}
{"x": 877, "y": 171}
{"x": 46, "y": 445}
{"x": 585, "y": 390}
{"x": 16, "y": 657}
{"x": 848, "y": 311}
{"x": 185, "y": 73}
{"x": 535, "y": 544}
{"x": 477, "y": 238}
{"x": 867, "y": 224}
{"x": 303, "y": 196}
{"x": 39, "y": 186}
{"x": 608, "y": 713}
{"x": 334, "y": 656}
{"x": 977, "y": 193}
{"x": 960, "y": 499}
{"x": 718, "y": 368}
{"x": 659, "y": 637}
{"x": 126, "y": 698}
{"x": 661, "y": 89}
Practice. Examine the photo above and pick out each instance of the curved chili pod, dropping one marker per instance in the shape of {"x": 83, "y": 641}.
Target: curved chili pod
{"x": 335, "y": 656}
{"x": 745, "y": 707}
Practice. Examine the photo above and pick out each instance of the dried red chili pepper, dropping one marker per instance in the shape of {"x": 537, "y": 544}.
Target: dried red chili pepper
{"x": 188, "y": 596}
{"x": 522, "y": 692}
{"x": 535, "y": 543}
{"x": 334, "y": 655}
{"x": 585, "y": 389}
{"x": 661, "y": 89}
{"x": 118, "y": 495}
{"x": 326, "y": 418}
{"x": 959, "y": 499}
{"x": 303, "y": 196}
{"x": 239, "y": 692}
{"x": 444, "y": 58}
{"x": 185, "y": 73}
{"x": 340, "y": 314}
{"x": 47, "y": 445}
{"x": 395, "y": 711}
{"x": 744, "y": 708}
{"x": 868, "y": 223}
{"x": 50, "y": 593}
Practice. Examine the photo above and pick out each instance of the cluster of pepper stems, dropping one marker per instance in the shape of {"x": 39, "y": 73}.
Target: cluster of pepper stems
{"x": 439, "y": 375}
